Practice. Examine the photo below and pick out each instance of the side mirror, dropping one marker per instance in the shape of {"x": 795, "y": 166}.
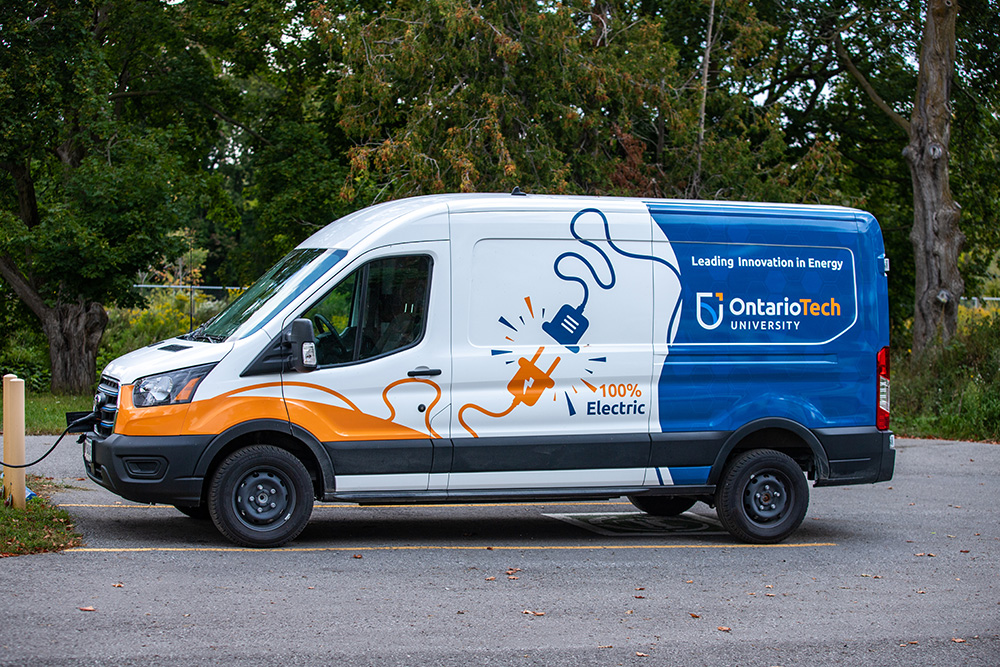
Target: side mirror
{"x": 302, "y": 341}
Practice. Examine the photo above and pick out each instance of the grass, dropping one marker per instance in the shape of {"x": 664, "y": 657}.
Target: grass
{"x": 45, "y": 414}
{"x": 951, "y": 392}
{"x": 38, "y": 528}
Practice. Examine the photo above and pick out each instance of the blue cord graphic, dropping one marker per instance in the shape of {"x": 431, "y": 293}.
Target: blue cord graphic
{"x": 569, "y": 323}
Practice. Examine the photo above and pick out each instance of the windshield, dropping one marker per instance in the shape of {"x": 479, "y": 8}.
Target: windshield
{"x": 272, "y": 292}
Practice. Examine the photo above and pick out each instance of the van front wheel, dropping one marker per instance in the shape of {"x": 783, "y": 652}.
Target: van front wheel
{"x": 261, "y": 496}
{"x": 762, "y": 496}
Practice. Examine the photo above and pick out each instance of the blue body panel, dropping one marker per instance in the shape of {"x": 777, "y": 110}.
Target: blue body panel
{"x": 783, "y": 313}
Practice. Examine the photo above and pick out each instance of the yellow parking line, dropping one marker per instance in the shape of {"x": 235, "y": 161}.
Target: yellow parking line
{"x": 562, "y": 547}
{"x": 358, "y": 507}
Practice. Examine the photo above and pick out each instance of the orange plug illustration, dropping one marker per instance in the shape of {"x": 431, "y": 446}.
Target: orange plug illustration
{"x": 527, "y": 386}
{"x": 529, "y": 382}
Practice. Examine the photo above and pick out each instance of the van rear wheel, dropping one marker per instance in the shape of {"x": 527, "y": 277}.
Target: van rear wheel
{"x": 662, "y": 505}
{"x": 762, "y": 496}
{"x": 261, "y": 496}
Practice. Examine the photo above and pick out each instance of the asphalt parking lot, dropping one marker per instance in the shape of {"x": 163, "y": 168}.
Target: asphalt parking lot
{"x": 899, "y": 573}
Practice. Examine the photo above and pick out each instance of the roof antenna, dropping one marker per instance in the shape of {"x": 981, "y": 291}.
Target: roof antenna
{"x": 516, "y": 192}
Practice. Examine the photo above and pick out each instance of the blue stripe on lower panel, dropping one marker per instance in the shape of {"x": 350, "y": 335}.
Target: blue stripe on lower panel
{"x": 690, "y": 475}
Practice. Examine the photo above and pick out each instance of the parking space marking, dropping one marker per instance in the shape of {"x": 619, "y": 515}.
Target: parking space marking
{"x": 362, "y": 507}
{"x": 446, "y": 547}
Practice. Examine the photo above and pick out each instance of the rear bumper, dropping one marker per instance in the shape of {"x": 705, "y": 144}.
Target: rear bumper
{"x": 857, "y": 455}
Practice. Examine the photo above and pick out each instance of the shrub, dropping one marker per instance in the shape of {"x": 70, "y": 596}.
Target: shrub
{"x": 167, "y": 315}
{"x": 954, "y": 391}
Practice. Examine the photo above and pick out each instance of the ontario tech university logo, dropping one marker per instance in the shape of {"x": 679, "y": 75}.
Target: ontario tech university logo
{"x": 710, "y": 311}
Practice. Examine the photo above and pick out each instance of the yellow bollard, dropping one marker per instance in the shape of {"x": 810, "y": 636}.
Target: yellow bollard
{"x": 13, "y": 440}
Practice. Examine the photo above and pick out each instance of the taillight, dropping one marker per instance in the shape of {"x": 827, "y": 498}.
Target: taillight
{"x": 882, "y": 411}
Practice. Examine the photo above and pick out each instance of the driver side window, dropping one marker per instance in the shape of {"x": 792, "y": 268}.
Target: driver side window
{"x": 378, "y": 309}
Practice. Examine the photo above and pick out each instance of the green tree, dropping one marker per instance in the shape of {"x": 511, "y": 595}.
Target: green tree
{"x": 101, "y": 142}
{"x": 909, "y": 93}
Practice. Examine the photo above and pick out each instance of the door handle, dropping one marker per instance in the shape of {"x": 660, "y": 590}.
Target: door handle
{"x": 423, "y": 371}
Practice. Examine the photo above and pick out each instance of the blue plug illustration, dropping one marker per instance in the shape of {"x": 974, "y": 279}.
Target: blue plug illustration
{"x": 568, "y": 326}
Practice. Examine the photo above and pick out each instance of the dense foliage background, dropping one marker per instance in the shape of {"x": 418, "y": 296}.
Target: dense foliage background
{"x": 199, "y": 140}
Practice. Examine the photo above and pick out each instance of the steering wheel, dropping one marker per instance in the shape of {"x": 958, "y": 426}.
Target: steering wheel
{"x": 325, "y": 330}
{"x": 322, "y": 323}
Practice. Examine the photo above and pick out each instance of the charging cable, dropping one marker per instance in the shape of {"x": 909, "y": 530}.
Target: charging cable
{"x": 569, "y": 323}
{"x": 79, "y": 422}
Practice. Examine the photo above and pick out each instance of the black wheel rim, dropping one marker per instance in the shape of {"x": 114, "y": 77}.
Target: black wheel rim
{"x": 263, "y": 498}
{"x": 766, "y": 497}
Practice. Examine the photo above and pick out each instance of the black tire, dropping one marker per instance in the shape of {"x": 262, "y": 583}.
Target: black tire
{"x": 261, "y": 496}
{"x": 663, "y": 505}
{"x": 762, "y": 496}
{"x": 199, "y": 512}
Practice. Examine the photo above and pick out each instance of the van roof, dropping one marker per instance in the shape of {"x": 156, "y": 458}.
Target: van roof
{"x": 351, "y": 229}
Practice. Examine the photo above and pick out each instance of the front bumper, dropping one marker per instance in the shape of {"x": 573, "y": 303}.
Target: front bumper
{"x": 147, "y": 469}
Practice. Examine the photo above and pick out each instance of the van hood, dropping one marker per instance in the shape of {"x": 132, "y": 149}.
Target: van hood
{"x": 167, "y": 355}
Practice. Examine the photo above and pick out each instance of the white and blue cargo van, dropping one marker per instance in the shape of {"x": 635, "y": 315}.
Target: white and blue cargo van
{"x": 476, "y": 347}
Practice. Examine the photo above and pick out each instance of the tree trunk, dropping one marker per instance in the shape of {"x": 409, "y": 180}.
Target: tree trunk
{"x": 74, "y": 333}
{"x": 936, "y": 237}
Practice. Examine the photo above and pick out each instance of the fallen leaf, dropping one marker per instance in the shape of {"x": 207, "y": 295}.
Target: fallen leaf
{"x": 689, "y": 581}
{"x": 605, "y": 646}
{"x": 639, "y": 597}
{"x": 512, "y": 578}
{"x": 491, "y": 578}
{"x": 640, "y": 588}
{"x": 533, "y": 613}
{"x": 693, "y": 615}
{"x": 118, "y": 585}
{"x": 86, "y": 609}
{"x": 723, "y": 628}
{"x": 920, "y": 554}
{"x": 958, "y": 640}
{"x": 489, "y": 548}
{"x": 512, "y": 570}
{"x": 963, "y": 551}
{"x": 770, "y": 595}
{"x": 358, "y": 556}
{"x": 642, "y": 655}
{"x": 921, "y": 592}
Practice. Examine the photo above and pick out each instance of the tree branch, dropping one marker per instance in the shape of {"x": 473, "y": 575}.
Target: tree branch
{"x": 867, "y": 87}
{"x": 209, "y": 107}
{"x": 235, "y": 122}
{"x": 27, "y": 203}
{"x": 12, "y": 275}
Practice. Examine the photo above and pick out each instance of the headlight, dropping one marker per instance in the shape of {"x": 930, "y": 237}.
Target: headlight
{"x": 169, "y": 388}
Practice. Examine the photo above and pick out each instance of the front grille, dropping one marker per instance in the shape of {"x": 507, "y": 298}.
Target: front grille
{"x": 107, "y": 390}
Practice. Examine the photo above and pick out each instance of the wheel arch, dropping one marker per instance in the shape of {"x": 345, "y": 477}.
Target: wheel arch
{"x": 294, "y": 439}
{"x": 779, "y": 434}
